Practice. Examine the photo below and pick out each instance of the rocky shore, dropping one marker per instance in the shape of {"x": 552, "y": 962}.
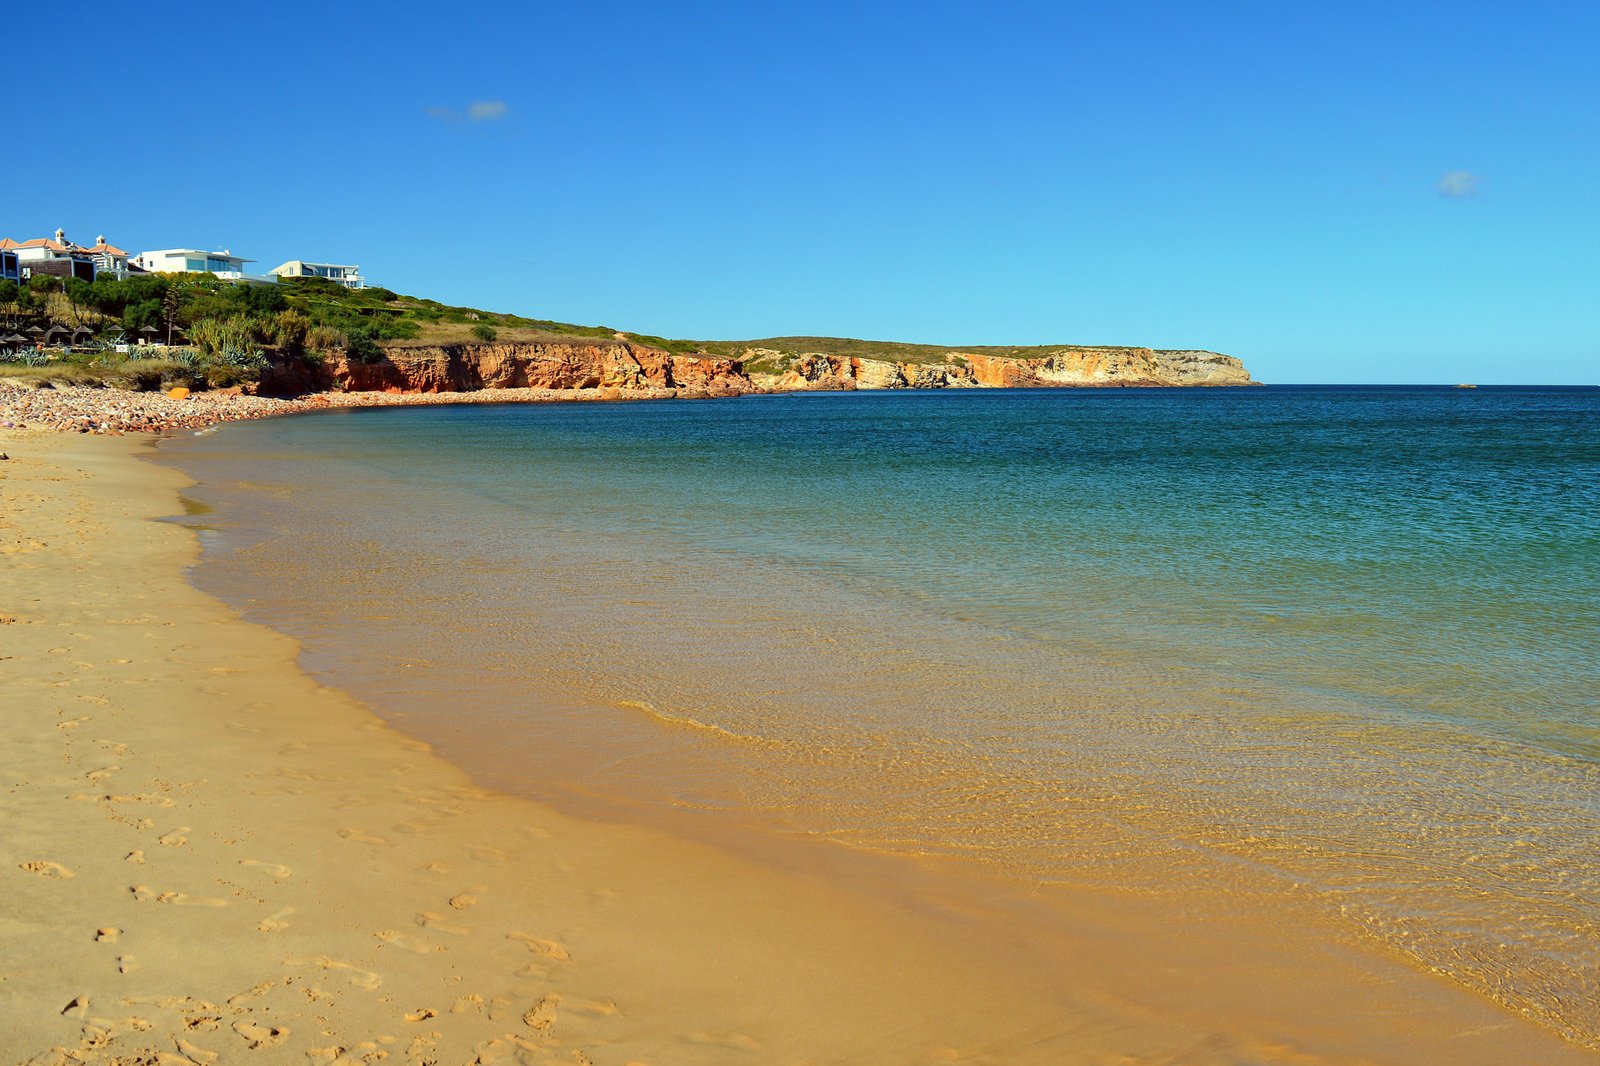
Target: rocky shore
{"x": 80, "y": 409}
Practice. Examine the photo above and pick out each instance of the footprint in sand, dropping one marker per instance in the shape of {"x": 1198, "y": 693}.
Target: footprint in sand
{"x": 259, "y": 1036}
{"x": 360, "y": 978}
{"x": 272, "y": 869}
{"x": 547, "y": 948}
{"x": 159, "y": 801}
{"x": 77, "y": 1008}
{"x": 127, "y": 964}
{"x": 463, "y": 901}
{"x": 542, "y": 1015}
{"x": 441, "y": 923}
{"x": 470, "y": 1001}
{"x": 46, "y": 869}
{"x": 275, "y": 923}
{"x": 403, "y": 940}
{"x": 133, "y": 856}
{"x": 73, "y": 723}
{"x": 487, "y": 854}
{"x": 102, "y": 773}
{"x": 599, "y": 1008}
{"x": 738, "y": 1041}
{"x": 109, "y": 935}
{"x": 252, "y": 993}
{"x": 145, "y": 894}
{"x": 113, "y": 746}
{"x": 362, "y": 837}
{"x": 195, "y": 1053}
{"x": 174, "y": 839}
{"x": 421, "y": 1015}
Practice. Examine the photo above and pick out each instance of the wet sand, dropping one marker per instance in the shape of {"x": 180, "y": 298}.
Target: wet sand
{"x": 211, "y": 858}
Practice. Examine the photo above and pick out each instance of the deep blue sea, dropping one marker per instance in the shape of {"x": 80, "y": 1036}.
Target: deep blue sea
{"x": 1337, "y": 641}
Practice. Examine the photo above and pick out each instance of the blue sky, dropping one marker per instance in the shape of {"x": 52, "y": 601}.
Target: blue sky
{"x": 1337, "y": 192}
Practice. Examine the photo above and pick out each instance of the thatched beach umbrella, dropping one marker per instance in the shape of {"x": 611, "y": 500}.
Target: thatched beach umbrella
{"x": 35, "y": 330}
{"x": 54, "y": 332}
{"x": 82, "y": 331}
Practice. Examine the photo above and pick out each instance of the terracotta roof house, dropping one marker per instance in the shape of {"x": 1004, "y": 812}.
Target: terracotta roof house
{"x": 63, "y": 258}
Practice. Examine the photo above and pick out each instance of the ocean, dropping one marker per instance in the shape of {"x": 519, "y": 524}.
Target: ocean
{"x": 1334, "y": 643}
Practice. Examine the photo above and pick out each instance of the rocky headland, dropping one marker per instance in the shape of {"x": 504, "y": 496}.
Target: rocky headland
{"x": 629, "y": 365}
{"x": 572, "y": 369}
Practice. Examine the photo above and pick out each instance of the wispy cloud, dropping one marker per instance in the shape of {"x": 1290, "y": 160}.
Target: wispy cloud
{"x": 477, "y": 111}
{"x": 1459, "y": 184}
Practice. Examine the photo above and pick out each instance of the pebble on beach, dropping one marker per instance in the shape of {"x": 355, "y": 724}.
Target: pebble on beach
{"x": 81, "y": 409}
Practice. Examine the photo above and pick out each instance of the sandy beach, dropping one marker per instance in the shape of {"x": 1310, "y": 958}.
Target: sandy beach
{"x": 211, "y": 858}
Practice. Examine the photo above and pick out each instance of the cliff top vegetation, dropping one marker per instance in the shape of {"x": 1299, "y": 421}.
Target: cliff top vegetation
{"x": 215, "y": 332}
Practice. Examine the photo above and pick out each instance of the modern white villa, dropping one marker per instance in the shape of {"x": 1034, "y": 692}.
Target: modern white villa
{"x": 223, "y": 264}
{"x": 347, "y": 275}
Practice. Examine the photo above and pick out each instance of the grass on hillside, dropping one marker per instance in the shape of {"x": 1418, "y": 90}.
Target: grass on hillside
{"x": 415, "y": 320}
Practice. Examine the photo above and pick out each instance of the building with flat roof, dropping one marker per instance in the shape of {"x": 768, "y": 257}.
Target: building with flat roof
{"x": 348, "y": 276}
{"x": 223, "y": 264}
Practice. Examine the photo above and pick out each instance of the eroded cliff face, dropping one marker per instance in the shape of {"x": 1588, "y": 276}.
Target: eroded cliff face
{"x": 622, "y": 365}
{"x": 1069, "y": 366}
{"x": 1110, "y": 366}
{"x": 839, "y": 372}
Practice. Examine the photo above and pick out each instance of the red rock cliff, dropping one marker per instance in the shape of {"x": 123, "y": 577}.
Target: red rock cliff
{"x": 1109, "y": 366}
{"x": 601, "y": 364}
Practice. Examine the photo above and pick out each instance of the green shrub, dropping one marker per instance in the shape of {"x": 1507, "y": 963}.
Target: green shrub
{"x": 289, "y": 330}
{"x": 484, "y": 332}
{"x": 361, "y": 346}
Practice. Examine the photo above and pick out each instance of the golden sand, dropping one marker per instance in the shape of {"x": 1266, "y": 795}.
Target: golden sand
{"x": 210, "y": 858}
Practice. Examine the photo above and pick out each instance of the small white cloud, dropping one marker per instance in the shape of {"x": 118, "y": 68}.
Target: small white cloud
{"x": 477, "y": 111}
{"x": 1459, "y": 184}
{"x": 486, "y": 110}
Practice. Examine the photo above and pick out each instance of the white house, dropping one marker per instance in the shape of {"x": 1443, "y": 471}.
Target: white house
{"x": 59, "y": 256}
{"x": 223, "y": 264}
{"x": 348, "y": 276}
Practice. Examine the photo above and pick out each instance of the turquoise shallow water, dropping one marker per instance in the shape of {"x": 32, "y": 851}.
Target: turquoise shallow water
{"x": 1339, "y": 642}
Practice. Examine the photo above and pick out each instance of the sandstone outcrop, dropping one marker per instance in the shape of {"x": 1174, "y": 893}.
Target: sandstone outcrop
{"x": 839, "y": 372}
{"x": 623, "y": 366}
{"x": 603, "y": 364}
{"x": 1109, "y": 366}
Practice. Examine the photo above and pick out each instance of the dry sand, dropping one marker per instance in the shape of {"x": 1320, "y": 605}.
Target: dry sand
{"x": 210, "y": 858}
